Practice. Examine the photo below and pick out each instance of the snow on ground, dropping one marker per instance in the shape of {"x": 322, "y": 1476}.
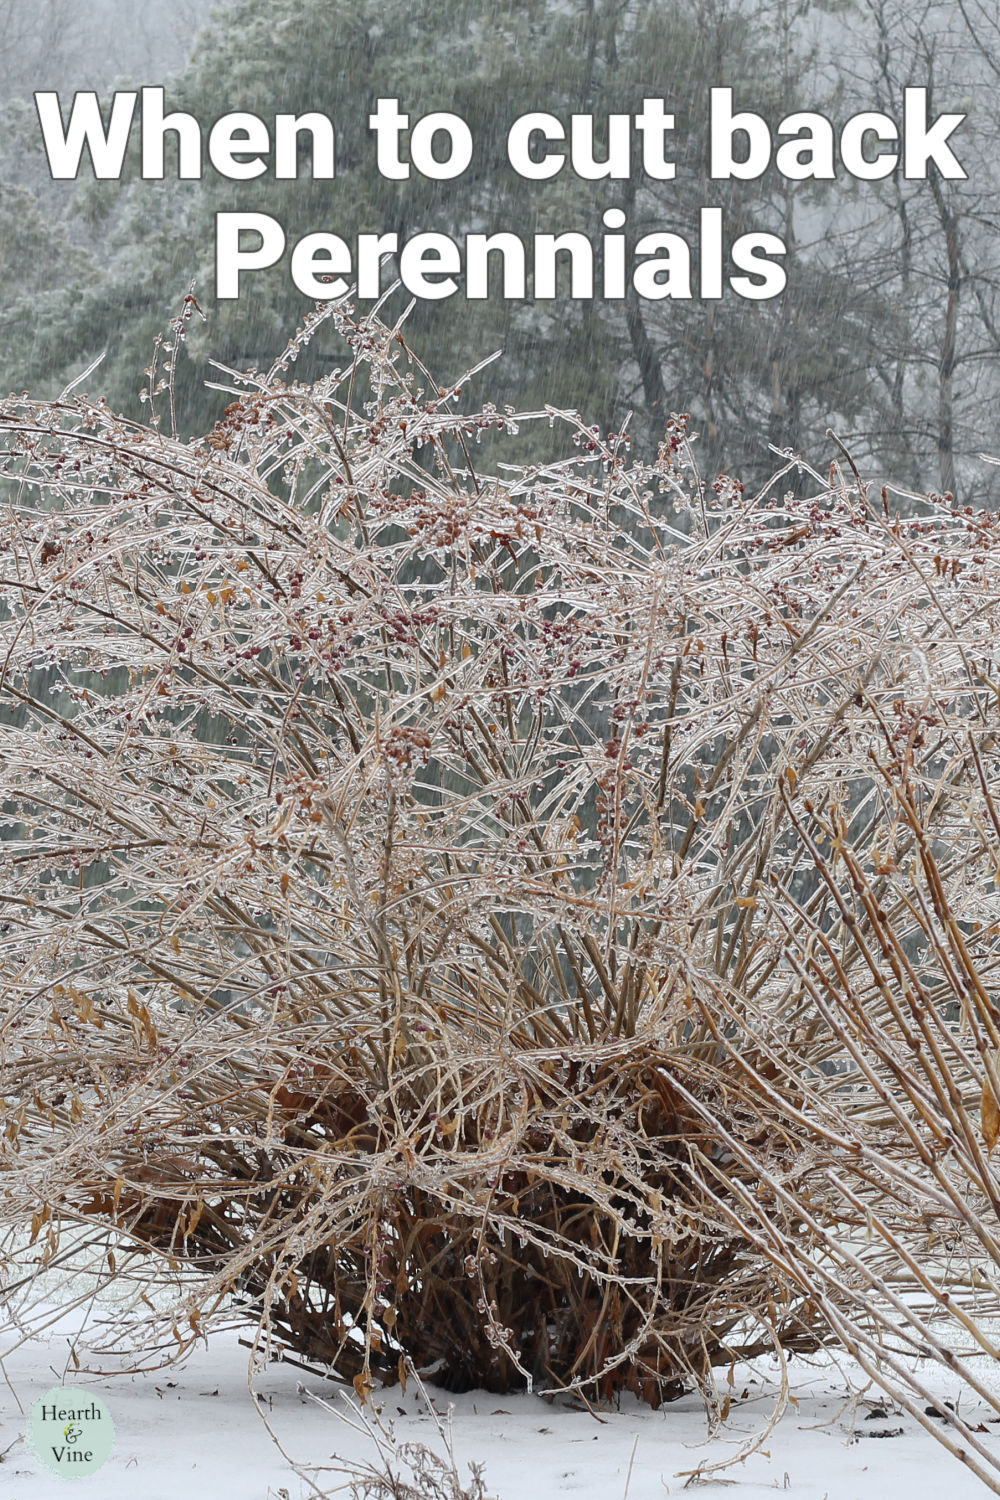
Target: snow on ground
{"x": 196, "y": 1429}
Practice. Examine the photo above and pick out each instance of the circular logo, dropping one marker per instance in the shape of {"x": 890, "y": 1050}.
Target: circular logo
{"x": 71, "y": 1431}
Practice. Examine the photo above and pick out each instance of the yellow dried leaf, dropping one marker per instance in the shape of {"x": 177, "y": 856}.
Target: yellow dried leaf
{"x": 990, "y": 1116}
{"x": 84, "y": 1006}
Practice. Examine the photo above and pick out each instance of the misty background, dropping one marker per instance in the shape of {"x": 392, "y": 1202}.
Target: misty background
{"x": 888, "y": 331}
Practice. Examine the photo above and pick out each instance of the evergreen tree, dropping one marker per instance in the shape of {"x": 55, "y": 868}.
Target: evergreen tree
{"x": 751, "y": 373}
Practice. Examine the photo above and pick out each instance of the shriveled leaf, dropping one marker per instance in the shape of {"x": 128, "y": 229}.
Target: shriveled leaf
{"x": 989, "y": 1116}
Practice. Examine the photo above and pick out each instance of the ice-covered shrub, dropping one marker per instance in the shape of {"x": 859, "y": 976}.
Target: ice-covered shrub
{"x": 536, "y": 923}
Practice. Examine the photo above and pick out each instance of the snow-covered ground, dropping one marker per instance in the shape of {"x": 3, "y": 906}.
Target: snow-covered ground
{"x": 198, "y": 1429}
